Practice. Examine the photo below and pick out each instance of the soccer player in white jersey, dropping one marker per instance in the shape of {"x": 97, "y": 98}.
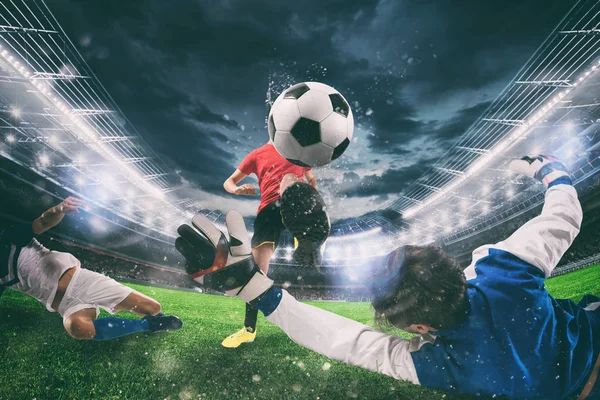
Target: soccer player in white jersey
{"x": 57, "y": 280}
{"x": 490, "y": 330}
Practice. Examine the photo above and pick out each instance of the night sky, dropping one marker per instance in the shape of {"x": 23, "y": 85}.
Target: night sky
{"x": 194, "y": 77}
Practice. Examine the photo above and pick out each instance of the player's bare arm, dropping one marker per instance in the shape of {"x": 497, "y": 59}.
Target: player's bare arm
{"x": 231, "y": 185}
{"x": 52, "y": 217}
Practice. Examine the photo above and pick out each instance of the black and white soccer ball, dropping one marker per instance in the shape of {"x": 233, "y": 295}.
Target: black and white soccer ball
{"x": 311, "y": 124}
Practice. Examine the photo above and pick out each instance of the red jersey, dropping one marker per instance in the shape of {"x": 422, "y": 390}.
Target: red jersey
{"x": 269, "y": 167}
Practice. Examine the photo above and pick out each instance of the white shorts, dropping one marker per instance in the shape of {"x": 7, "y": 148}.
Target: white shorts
{"x": 89, "y": 289}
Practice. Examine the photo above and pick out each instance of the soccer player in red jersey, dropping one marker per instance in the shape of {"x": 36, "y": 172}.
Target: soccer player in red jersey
{"x": 274, "y": 174}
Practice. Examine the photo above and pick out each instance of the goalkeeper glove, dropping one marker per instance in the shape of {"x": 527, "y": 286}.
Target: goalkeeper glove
{"x": 546, "y": 169}
{"x": 220, "y": 262}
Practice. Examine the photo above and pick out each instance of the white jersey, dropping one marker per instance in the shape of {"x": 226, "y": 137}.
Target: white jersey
{"x": 39, "y": 270}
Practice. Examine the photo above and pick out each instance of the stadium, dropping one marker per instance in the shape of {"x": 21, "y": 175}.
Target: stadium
{"x": 62, "y": 134}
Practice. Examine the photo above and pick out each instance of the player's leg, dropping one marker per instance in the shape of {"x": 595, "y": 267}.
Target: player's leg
{"x": 89, "y": 290}
{"x": 304, "y": 214}
{"x": 262, "y": 256}
{"x": 80, "y": 325}
{"x": 139, "y": 304}
{"x": 84, "y": 325}
{"x": 287, "y": 181}
{"x": 267, "y": 229}
{"x": 149, "y": 308}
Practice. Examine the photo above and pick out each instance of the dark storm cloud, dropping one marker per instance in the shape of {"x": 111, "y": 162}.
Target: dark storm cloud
{"x": 169, "y": 66}
{"x": 442, "y": 48}
{"x": 392, "y": 181}
{"x": 459, "y": 123}
{"x": 192, "y": 76}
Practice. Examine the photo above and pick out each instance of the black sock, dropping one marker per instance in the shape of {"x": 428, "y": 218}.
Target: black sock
{"x": 251, "y": 315}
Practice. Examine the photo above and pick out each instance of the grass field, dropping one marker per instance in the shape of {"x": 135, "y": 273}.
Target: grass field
{"x": 39, "y": 360}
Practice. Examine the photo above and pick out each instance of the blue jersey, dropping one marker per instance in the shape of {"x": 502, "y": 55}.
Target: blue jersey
{"x": 517, "y": 340}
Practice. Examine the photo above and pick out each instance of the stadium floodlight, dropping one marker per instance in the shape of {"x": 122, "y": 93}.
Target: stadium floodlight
{"x": 85, "y": 132}
{"x": 97, "y": 224}
{"x": 519, "y": 132}
{"x": 464, "y": 204}
{"x": 376, "y": 246}
{"x": 363, "y": 251}
{"x": 348, "y": 251}
{"x": 16, "y": 112}
{"x": 44, "y": 159}
{"x": 103, "y": 195}
{"x": 569, "y": 125}
{"x": 352, "y": 276}
{"x": 107, "y": 179}
{"x": 444, "y": 216}
{"x": 334, "y": 254}
{"x": 10, "y": 138}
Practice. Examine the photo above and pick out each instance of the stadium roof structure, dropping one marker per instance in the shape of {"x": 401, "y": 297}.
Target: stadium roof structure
{"x": 58, "y": 119}
{"x": 545, "y": 84}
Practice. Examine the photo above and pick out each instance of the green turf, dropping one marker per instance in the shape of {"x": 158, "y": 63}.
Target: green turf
{"x": 39, "y": 360}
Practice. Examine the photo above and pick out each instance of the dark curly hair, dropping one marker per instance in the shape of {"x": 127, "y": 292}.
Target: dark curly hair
{"x": 423, "y": 286}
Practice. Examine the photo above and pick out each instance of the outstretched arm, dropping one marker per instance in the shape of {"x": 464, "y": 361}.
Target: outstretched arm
{"x": 52, "y": 217}
{"x": 224, "y": 263}
{"x": 543, "y": 240}
{"x": 341, "y": 338}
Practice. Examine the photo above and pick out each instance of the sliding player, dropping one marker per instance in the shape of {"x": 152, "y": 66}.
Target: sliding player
{"x": 491, "y": 330}
{"x": 57, "y": 280}
{"x": 282, "y": 195}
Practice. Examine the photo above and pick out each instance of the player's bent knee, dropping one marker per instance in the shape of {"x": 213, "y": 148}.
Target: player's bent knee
{"x": 149, "y": 306}
{"x": 153, "y": 307}
{"x": 80, "y": 328}
{"x": 286, "y": 181}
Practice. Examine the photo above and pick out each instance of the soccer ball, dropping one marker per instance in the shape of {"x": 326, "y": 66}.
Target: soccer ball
{"x": 311, "y": 124}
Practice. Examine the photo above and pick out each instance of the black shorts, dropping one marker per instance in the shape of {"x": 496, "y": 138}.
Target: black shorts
{"x": 268, "y": 226}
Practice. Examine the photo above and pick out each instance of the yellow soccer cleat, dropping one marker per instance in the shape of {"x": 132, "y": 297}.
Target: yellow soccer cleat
{"x": 241, "y": 336}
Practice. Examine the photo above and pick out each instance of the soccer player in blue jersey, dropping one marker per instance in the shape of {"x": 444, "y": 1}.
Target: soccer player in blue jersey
{"x": 490, "y": 330}
{"x": 57, "y": 280}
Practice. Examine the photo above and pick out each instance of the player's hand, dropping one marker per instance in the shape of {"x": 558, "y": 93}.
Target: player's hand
{"x": 245, "y": 190}
{"x": 70, "y": 205}
{"x": 220, "y": 262}
{"x": 544, "y": 168}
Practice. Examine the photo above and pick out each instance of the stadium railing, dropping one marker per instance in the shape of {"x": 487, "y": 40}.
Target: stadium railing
{"x": 574, "y": 266}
